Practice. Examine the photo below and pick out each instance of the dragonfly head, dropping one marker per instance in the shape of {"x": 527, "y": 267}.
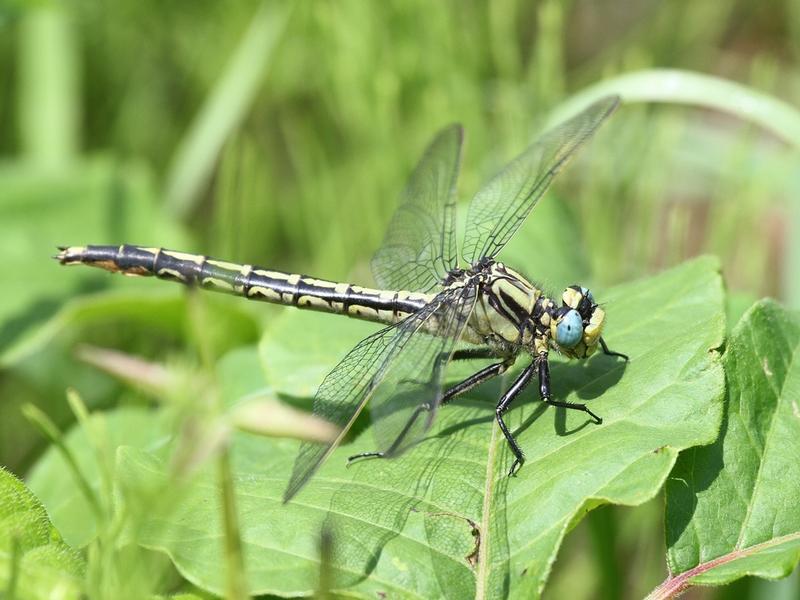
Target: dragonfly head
{"x": 578, "y": 323}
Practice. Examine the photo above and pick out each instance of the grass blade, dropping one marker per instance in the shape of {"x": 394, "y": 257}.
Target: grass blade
{"x": 224, "y": 109}
{"x": 48, "y": 106}
{"x": 685, "y": 87}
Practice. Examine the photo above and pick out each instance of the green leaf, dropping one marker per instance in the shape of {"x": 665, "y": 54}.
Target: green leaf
{"x": 51, "y": 480}
{"x": 300, "y": 349}
{"x": 444, "y": 520}
{"x": 732, "y": 507}
{"x": 31, "y": 550}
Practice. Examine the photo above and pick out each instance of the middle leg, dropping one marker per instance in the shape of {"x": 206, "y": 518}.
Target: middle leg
{"x": 511, "y": 394}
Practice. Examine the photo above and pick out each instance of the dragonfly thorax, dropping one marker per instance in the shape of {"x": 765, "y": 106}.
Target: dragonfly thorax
{"x": 505, "y": 307}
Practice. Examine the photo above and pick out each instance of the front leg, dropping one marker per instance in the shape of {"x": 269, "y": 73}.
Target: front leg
{"x": 608, "y": 352}
{"x": 544, "y": 389}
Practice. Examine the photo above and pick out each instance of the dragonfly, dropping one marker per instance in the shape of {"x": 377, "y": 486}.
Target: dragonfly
{"x": 434, "y": 310}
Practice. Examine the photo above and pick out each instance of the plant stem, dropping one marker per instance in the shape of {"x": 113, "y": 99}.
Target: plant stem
{"x": 236, "y": 581}
{"x": 49, "y": 430}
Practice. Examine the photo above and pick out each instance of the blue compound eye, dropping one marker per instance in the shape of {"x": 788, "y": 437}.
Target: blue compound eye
{"x": 587, "y": 294}
{"x": 570, "y": 330}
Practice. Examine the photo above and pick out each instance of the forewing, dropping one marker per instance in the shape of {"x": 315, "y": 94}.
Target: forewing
{"x": 501, "y": 206}
{"x": 416, "y": 376}
{"x": 419, "y": 248}
{"x": 403, "y": 361}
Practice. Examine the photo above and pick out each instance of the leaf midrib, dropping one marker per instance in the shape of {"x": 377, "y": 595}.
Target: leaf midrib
{"x": 482, "y": 577}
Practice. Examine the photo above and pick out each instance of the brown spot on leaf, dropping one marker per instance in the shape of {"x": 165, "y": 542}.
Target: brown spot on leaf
{"x": 474, "y": 556}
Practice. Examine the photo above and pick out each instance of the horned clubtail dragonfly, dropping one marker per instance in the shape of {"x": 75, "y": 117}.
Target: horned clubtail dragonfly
{"x": 434, "y": 310}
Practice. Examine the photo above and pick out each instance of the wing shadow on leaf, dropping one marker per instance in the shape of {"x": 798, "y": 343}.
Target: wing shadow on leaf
{"x": 389, "y": 491}
{"x": 589, "y": 379}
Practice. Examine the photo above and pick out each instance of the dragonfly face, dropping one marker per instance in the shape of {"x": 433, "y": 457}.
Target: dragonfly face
{"x": 578, "y": 324}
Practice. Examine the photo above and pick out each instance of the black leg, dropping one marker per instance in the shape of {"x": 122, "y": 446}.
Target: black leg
{"x": 502, "y": 407}
{"x": 474, "y": 354}
{"x": 459, "y": 388}
{"x": 544, "y": 390}
{"x": 470, "y": 382}
{"x": 608, "y": 352}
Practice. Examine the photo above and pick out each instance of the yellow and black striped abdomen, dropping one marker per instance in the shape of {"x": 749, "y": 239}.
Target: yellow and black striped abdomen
{"x": 256, "y": 283}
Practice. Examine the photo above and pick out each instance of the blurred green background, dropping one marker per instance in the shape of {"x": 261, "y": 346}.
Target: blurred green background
{"x": 281, "y": 134}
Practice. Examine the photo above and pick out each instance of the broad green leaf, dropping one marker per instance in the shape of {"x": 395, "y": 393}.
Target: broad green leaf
{"x": 300, "y": 349}
{"x": 444, "y": 520}
{"x": 51, "y": 480}
{"x": 732, "y": 507}
{"x": 45, "y": 566}
{"x": 239, "y": 374}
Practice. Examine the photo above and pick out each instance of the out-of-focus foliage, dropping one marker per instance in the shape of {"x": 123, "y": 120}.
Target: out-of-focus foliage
{"x": 281, "y": 134}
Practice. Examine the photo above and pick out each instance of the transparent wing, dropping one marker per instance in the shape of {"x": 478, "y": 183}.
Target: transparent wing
{"x": 397, "y": 369}
{"x": 419, "y": 248}
{"x": 501, "y": 206}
